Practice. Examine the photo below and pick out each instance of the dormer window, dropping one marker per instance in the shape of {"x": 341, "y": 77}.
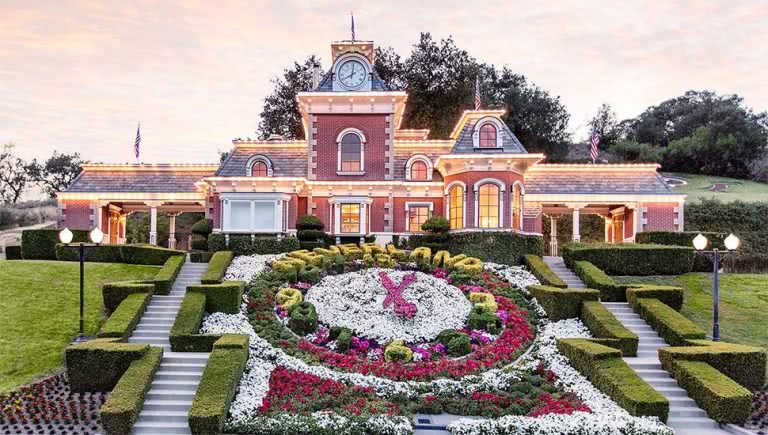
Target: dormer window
{"x": 488, "y": 135}
{"x": 351, "y": 145}
{"x": 259, "y": 169}
{"x": 418, "y": 168}
{"x": 259, "y": 166}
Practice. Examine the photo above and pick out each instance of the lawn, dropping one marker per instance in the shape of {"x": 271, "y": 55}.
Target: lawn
{"x": 698, "y": 186}
{"x": 39, "y": 302}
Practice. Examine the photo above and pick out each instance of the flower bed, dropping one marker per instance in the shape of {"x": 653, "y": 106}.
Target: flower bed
{"x": 304, "y": 383}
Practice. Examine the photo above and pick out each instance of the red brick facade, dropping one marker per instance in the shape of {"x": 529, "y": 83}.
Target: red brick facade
{"x": 660, "y": 217}
{"x": 374, "y": 128}
{"x": 508, "y": 178}
{"x": 77, "y": 215}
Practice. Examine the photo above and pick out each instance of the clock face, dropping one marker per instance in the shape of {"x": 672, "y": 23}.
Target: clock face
{"x": 352, "y": 73}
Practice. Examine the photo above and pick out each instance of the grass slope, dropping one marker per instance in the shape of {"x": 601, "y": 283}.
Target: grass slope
{"x": 698, "y": 187}
{"x": 39, "y": 306}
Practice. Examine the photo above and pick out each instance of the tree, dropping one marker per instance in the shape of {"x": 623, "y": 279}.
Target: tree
{"x": 57, "y": 173}
{"x": 606, "y": 125}
{"x": 390, "y": 68}
{"x": 13, "y": 176}
{"x": 280, "y": 114}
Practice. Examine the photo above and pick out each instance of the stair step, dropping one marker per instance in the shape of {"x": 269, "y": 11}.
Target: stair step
{"x": 184, "y": 367}
{"x": 169, "y": 394}
{"x": 685, "y": 412}
{"x": 178, "y": 376}
{"x": 672, "y": 391}
{"x": 692, "y": 422}
{"x": 156, "y": 427}
{"x": 169, "y": 405}
{"x": 164, "y": 416}
{"x": 150, "y": 333}
{"x": 175, "y": 385}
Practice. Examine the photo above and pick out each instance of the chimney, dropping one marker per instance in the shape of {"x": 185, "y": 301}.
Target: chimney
{"x": 315, "y": 76}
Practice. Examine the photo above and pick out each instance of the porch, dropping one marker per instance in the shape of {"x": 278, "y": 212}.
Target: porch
{"x": 621, "y": 222}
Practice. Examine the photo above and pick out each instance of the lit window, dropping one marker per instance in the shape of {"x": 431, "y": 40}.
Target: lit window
{"x": 417, "y": 215}
{"x": 350, "y": 218}
{"x": 456, "y": 210}
{"x": 259, "y": 169}
{"x": 350, "y": 153}
{"x": 488, "y": 136}
{"x": 488, "y": 208}
{"x": 418, "y": 170}
{"x": 517, "y": 207}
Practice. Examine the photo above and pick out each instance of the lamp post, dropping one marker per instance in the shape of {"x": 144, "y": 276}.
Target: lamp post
{"x": 96, "y": 236}
{"x": 731, "y": 242}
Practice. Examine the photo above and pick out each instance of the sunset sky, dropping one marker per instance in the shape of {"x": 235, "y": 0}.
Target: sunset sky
{"x": 79, "y": 75}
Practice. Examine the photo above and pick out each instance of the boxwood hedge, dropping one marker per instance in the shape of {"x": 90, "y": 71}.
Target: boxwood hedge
{"x": 562, "y": 303}
{"x": 595, "y": 278}
{"x": 672, "y": 326}
{"x": 166, "y": 276}
{"x": 502, "y": 247}
{"x": 147, "y": 254}
{"x": 124, "y": 319}
{"x": 184, "y": 335}
{"x": 98, "y": 364}
{"x": 217, "y": 267}
{"x": 602, "y": 323}
{"x": 41, "y": 244}
{"x": 542, "y": 272}
{"x": 669, "y": 295}
{"x": 631, "y": 258}
{"x": 13, "y": 253}
{"x": 225, "y": 297}
{"x": 243, "y": 244}
{"x": 114, "y": 293}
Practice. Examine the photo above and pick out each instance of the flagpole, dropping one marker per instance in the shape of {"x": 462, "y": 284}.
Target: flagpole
{"x": 137, "y": 144}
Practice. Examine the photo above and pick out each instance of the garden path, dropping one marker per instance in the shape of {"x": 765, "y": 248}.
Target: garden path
{"x": 173, "y": 388}
{"x": 685, "y": 417}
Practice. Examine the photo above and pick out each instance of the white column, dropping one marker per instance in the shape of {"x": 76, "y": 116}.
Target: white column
{"x": 172, "y": 231}
{"x": 153, "y": 225}
{"x": 576, "y": 224}
{"x": 607, "y": 228}
{"x": 553, "y": 248}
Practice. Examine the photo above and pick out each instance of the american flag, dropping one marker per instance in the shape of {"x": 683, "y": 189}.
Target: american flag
{"x": 595, "y": 143}
{"x": 353, "y": 25}
{"x": 137, "y": 144}
{"x": 477, "y": 93}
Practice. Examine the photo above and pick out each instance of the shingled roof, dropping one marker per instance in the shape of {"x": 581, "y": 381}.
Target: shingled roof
{"x": 405, "y": 151}
{"x": 290, "y": 161}
{"x": 139, "y": 178}
{"x": 592, "y": 179}
{"x": 326, "y": 84}
{"x": 464, "y": 144}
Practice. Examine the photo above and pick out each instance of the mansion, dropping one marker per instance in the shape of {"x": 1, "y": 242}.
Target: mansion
{"x": 363, "y": 175}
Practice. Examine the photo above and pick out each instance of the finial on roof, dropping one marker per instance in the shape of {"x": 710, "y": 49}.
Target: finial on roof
{"x": 353, "y": 24}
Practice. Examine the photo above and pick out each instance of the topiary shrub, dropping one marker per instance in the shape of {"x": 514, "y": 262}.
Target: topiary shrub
{"x": 309, "y": 222}
{"x": 562, "y": 303}
{"x": 98, "y": 364}
{"x": 217, "y": 267}
{"x": 203, "y": 227}
{"x": 480, "y": 318}
{"x": 124, "y": 319}
{"x": 603, "y": 324}
{"x": 595, "y": 278}
{"x": 310, "y": 274}
{"x": 41, "y": 244}
{"x": 397, "y": 352}
{"x": 242, "y": 244}
{"x": 114, "y": 293}
{"x": 184, "y": 335}
{"x": 303, "y": 319}
{"x": 343, "y": 340}
{"x": 542, "y": 272}
{"x": 459, "y": 345}
{"x": 13, "y": 253}
{"x": 496, "y": 246}
{"x": 672, "y": 326}
{"x": 199, "y": 243}
{"x": 669, "y": 295}
{"x": 225, "y": 297}
{"x": 436, "y": 225}
{"x": 631, "y": 258}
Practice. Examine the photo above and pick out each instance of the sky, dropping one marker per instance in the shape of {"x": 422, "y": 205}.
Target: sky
{"x": 77, "y": 76}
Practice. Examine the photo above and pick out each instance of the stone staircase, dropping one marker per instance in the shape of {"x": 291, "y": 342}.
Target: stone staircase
{"x": 558, "y": 266}
{"x": 168, "y": 401}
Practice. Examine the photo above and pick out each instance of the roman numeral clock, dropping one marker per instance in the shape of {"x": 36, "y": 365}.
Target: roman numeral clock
{"x": 352, "y": 72}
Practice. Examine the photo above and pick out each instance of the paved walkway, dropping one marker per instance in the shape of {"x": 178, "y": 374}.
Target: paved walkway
{"x": 685, "y": 417}
{"x": 170, "y": 397}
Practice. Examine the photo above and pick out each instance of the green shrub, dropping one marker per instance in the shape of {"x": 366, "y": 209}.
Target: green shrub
{"x": 479, "y": 318}
{"x": 200, "y": 257}
{"x": 225, "y": 297}
{"x": 121, "y": 410}
{"x": 436, "y": 225}
{"x": 609, "y": 373}
{"x": 241, "y": 244}
{"x": 41, "y": 244}
{"x": 595, "y": 278}
{"x": 459, "y": 345}
{"x": 184, "y": 335}
{"x": 602, "y": 323}
{"x": 494, "y": 246}
{"x": 217, "y": 267}
{"x": 672, "y": 296}
{"x": 680, "y": 238}
{"x": 343, "y": 340}
{"x": 167, "y": 274}
{"x": 445, "y": 336}
{"x": 631, "y": 258}
{"x": 203, "y": 227}
{"x": 124, "y": 319}
{"x": 562, "y": 303}
{"x": 97, "y": 365}
{"x": 113, "y": 293}
{"x": 743, "y": 364}
{"x": 310, "y": 235}
{"x": 542, "y": 272}
{"x": 724, "y": 400}
{"x": 147, "y": 254}
{"x": 672, "y": 326}
{"x": 218, "y": 385}
{"x": 13, "y": 253}
{"x": 311, "y": 274}
{"x": 745, "y": 263}
{"x": 93, "y": 253}
{"x": 309, "y": 222}
{"x": 199, "y": 243}
{"x": 303, "y": 318}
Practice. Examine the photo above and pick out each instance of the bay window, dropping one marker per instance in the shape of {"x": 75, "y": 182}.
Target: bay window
{"x": 254, "y": 212}
{"x": 350, "y": 218}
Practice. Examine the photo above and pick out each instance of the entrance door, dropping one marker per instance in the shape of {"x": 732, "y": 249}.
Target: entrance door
{"x": 618, "y": 228}
{"x": 114, "y": 220}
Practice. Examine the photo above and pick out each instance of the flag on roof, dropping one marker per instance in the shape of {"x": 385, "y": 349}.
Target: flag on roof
{"x": 595, "y": 143}
{"x": 137, "y": 144}
{"x": 477, "y": 93}
{"x": 353, "y": 25}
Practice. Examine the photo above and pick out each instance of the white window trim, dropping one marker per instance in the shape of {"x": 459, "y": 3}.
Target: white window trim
{"x": 512, "y": 205}
{"x": 258, "y": 158}
{"x": 363, "y": 201}
{"x": 408, "y": 206}
{"x": 362, "y": 151}
{"x": 447, "y": 193}
{"x": 416, "y": 158}
{"x": 476, "y": 132}
{"x": 280, "y": 201}
{"x": 502, "y": 188}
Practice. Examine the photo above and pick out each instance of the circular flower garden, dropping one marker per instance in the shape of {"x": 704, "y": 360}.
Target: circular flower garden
{"x": 359, "y": 340}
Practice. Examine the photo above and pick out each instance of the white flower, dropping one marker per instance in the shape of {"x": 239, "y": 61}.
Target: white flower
{"x": 246, "y": 267}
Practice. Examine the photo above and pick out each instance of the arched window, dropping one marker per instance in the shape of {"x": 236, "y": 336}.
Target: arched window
{"x": 517, "y": 206}
{"x": 259, "y": 169}
{"x": 488, "y": 206}
{"x": 456, "y": 206}
{"x": 351, "y": 153}
{"x": 418, "y": 170}
{"x": 488, "y": 135}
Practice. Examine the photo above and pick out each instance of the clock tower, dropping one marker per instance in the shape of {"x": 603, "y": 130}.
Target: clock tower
{"x": 352, "y": 65}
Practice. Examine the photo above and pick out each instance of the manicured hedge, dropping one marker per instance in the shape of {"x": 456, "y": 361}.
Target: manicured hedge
{"x": 595, "y": 278}
{"x": 93, "y": 253}
{"x": 504, "y": 247}
{"x": 602, "y": 323}
{"x": 672, "y": 296}
{"x": 98, "y": 364}
{"x": 200, "y": 257}
{"x": 147, "y": 254}
{"x": 680, "y": 238}
{"x": 562, "y": 303}
{"x": 167, "y": 275}
{"x": 13, "y": 253}
{"x": 542, "y": 272}
{"x": 41, "y": 244}
{"x": 217, "y": 267}
{"x": 124, "y": 319}
{"x": 218, "y": 385}
{"x": 113, "y": 293}
{"x": 121, "y": 410}
{"x": 631, "y": 258}
{"x": 744, "y": 364}
{"x": 225, "y": 297}
{"x": 609, "y": 373}
{"x": 672, "y": 326}
{"x": 724, "y": 400}
{"x": 241, "y": 244}
{"x": 184, "y": 335}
